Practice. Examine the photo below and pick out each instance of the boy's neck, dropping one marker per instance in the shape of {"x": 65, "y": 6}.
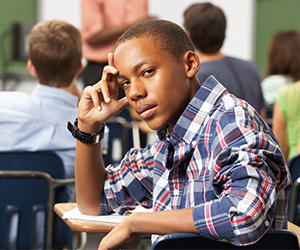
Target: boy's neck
{"x": 209, "y": 57}
{"x": 72, "y": 88}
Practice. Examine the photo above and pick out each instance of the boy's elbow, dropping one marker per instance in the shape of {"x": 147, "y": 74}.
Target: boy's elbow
{"x": 89, "y": 209}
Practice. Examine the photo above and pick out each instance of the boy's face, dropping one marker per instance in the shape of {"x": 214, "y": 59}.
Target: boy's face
{"x": 155, "y": 83}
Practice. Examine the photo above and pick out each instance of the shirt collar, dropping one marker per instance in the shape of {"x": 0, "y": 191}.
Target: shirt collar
{"x": 45, "y": 91}
{"x": 189, "y": 123}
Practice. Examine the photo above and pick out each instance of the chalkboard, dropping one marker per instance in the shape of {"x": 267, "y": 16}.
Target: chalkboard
{"x": 273, "y": 16}
{"x": 12, "y": 12}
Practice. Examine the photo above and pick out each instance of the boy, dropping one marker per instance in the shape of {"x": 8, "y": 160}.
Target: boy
{"x": 216, "y": 168}
{"x": 205, "y": 24}
{"x": 38, "y": 121}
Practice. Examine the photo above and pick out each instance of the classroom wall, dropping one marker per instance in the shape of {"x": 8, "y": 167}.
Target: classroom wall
{"x": 69, "y": 10}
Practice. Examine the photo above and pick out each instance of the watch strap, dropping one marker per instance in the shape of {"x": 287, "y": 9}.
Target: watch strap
{"x": 84, "y": 137}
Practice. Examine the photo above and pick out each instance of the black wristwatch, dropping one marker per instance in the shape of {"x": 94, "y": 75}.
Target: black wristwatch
{"x": 85, "y": 137}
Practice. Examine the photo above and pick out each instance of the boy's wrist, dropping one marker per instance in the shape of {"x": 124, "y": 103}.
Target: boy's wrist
{"x": 129, "y": 223}
{"x": 84, "y": 137}
{"x": 89, "y": 128}
{"x": 134, "y": 223}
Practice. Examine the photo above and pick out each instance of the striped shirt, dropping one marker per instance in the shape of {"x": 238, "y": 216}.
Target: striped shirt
{"x": 221, "y": 159}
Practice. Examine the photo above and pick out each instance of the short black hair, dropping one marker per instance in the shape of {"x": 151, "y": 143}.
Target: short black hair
{"x": 206, "y": 24}
{"x": 167, "y": 35}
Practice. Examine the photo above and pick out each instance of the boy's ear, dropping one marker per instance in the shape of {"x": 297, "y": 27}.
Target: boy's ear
{"x": 188, "y": 33}
{"x": 31, "y": 68}
{"x": 192, "y": 63}
{"x": 80, "y": 68}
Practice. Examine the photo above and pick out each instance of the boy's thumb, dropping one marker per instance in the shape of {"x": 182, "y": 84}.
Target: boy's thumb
{"x": 123, "y": 103}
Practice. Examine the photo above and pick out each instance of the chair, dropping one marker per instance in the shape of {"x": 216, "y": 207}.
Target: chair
{"x": 273, "y": 239}
{"x": 294, "y": 167}
{"x": 123, "y": 135}
{"x": 30, "y": 184}
{"x": 294, "y": 202}
{"x": 269, "y": 115}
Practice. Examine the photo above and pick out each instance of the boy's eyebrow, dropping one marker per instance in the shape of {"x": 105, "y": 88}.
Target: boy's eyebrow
{"x": 140, "y": 64}
{"x": 120, "y": 76}
{"x": 135, "y": 68}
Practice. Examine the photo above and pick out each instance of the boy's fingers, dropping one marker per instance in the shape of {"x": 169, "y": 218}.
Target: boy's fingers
{"x": 108, "y": 73}
{"x": 110, "y": 58}
{"x": 123, "y": 103}
{"x": 116, "y": 106}
{"x": 103, "y": 88}
{"x": 95, "y": 98}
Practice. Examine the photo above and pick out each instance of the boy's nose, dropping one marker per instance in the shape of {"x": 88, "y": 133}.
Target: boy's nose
{"x": 136, "y": 90}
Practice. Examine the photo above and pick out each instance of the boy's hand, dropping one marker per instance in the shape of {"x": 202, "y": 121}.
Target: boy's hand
{"x": 100, "y": 101}
{"x": 121, "y": 238}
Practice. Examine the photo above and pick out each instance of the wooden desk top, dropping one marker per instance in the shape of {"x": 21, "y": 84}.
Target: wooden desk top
{"x": 105, "y": 227}
{"x": 82, "y": 225}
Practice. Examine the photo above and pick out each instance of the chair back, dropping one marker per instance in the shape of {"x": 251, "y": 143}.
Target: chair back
{"x": 123, "y": 135}
{"x": 273, "y": 239}
{"x": 269, "y": 115}
{"x": 29, "y": 187}
{"x": 294, "y": 201}
{"x": 294, "y": 167}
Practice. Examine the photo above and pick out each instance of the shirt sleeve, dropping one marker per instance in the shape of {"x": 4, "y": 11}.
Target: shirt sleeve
{"x": 249, "y": 172}
{"x": 130, "y": 183}
{"x": 281, "y": 99}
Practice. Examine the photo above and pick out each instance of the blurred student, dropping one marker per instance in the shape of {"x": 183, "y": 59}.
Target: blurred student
{"x": 284, "y": 67}
{"x": 215, "y": 169}
{"x": 103, "y": 21}
{"x": 37, "y": 122}
{"x": 286, "y": 119}
{"x": 205, "y": 24}
{"x": 283, "y": 64}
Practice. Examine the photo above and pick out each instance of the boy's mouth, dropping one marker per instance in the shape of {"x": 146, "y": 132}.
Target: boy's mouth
{"x": 145, "y": 110}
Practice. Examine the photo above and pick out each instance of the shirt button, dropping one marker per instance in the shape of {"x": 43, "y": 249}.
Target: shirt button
{"x": 176, "y": 192}
{"x": 267, "y": 223}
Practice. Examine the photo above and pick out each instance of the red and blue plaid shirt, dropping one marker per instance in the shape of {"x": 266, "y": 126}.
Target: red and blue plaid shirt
{"x": 221, "y": 159}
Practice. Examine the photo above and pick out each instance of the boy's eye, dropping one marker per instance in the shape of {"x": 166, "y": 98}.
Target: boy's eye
{"x": 148, "y": 72}
{"x": 124, "y": 83}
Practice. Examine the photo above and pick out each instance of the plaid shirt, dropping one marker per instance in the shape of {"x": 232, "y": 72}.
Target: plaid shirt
{"x": 221, "y": 159}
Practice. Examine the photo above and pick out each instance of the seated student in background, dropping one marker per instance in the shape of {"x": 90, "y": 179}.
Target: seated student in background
{"x": 205, "y": 24}
{"x": 216, "y": 168}
{"x": 286, "y": 119}
{"x": 283, "y": 65}
{"x": 37, "y": 122}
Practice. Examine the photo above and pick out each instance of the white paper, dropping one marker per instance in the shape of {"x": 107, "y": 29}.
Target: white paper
{"x": 113, "y": 218}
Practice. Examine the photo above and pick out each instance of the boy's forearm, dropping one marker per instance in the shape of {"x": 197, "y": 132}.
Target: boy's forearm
{"x": 126, "y": 234}
{"x": 107, "y": 35}
{"x": 164, "y": 222}
{"x": 89, "y": 176}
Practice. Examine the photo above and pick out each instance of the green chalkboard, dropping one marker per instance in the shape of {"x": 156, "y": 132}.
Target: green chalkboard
{"x": 273, "y": 16}
{"x": 13, "y": 11}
